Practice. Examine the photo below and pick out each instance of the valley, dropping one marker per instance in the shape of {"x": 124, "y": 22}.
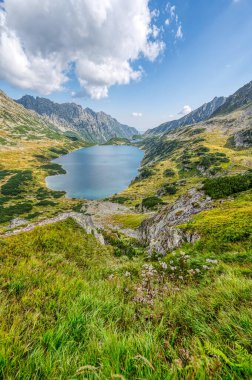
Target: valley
{"x": 153, "y": 282}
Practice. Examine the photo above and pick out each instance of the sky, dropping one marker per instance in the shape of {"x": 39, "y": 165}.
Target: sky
{"x": 143, "y": 62}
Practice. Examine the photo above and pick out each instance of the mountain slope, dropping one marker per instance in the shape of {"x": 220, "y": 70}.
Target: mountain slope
{"x": 17, "y": 123}
{"x": 200, "y": 114}
{"x": 240, "y": 98}
{"x": 27, "y": 144}
{"x": 94, "y": 127}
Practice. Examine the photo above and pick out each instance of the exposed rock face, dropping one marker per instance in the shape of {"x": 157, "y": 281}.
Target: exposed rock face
{"x": 240, "y": 98}
{"x": 243, "y": 139}
{"x": 200, "y": 114}
{"x": 70, "y": 117}
{"x": 161, "y": 232}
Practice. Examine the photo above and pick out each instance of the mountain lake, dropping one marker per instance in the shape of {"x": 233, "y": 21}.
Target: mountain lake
{"x": 97, "y": 172}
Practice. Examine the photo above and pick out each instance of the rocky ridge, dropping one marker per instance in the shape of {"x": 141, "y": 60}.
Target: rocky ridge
{"x": 200, "y": 114}
{"x": 95, "y": 127}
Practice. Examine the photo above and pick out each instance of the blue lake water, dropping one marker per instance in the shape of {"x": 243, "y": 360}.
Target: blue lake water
{"x": 96, "y": 172}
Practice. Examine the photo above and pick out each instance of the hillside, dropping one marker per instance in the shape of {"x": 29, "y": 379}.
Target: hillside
{"x": 200, "y": 114}
{"x": 27, "y": 145}
{"x": 70, "y": 117}
{"x": 240, "y": 98}
{"x": 156, "y": 285}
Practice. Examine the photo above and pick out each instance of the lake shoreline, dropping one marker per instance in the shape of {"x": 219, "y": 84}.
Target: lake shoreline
{"x": 130, "y": 167}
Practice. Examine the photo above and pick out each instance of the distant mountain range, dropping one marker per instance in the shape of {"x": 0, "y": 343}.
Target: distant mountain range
{"x": 96, "y": 127}
{"x": 217, "y": 106}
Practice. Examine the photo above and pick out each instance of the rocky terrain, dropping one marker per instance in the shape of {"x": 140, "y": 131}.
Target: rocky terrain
{"x": 240, "y": 98}
{"x": 162, "y": 232}
{"x": 196, "y": 116}
{"x": 72, "y": 119}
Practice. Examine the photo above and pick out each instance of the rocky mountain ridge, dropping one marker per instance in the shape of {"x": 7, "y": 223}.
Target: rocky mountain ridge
{"x": 200, "y": 114}
{"x": 96, "y": 127}
{"x": 241, "y": 97}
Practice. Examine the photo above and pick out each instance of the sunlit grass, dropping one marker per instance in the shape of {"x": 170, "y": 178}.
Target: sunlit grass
{"x": 68, "y": 311}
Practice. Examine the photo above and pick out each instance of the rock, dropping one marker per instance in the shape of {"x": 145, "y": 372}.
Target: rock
{"x": 17, "y": 222}
{"x": 243, "y": 139}
{"x": 86, "y": 222}
{"x": 97, "y": 127}
{"x": 161, "y": 232}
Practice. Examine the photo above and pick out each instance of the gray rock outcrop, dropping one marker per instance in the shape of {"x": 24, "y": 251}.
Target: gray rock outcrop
{"x": 161, "y": 232}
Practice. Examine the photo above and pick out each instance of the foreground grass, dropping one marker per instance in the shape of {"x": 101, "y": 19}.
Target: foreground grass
{"x": 70, "y": 310}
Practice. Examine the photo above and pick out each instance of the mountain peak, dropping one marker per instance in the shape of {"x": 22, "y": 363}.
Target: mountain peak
{"x": 94, "y": 127}
{"x": 200, "y": 114}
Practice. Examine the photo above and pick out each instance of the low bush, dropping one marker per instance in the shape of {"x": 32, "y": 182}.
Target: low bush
{"x": 46, "y": 202}
{"x": 151, "y": 202}
{"x": 169, "y": 189}
{"x": 3, "y": 174}
{"x": 78, "y": 207}
{"x": 169, "y": 173}
{"x": 197, "y": 131}
{"x": 224, "y": 186}
{"x": 53, "y": 169}
{"x": 120, "y": 200}
{"x": 15, "y": 184}
{"x": 145, "y": 172}
{"x": 58, "y": 151}
{"x": 8, "y": 213}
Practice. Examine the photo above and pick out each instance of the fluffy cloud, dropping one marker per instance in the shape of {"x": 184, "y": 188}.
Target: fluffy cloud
{"x": 137, "y": 114}
{"x": 41, "y": 41}
{"x": 186, "y": 109}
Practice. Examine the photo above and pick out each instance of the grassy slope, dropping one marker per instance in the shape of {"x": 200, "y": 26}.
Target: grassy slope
{"x": 75, "y": 309}
{"x": 29, "y": 143}
{"x": 72, "y": 309}
{"x": 214, "y": 135}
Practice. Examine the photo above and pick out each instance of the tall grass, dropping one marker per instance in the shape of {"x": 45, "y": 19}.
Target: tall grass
{"x": 68, "y": 312}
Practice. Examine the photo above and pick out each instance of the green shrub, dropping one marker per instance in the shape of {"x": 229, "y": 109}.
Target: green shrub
{"x": 15, "y": 184}
{"x": 53, "y": 169}
{"x": 59, "y": 151}
{"x": 33, "y": 215}
{"x": 224, "y": 186}
{"x": 4, "y": 173}
{"x": 169, "y": 173}
{"x": 46, "y": 202}
{"x": 120, "y": 200}
{"x": 197, "y": 131}
{"x": 151, "y": 202}
{"x": 4, "y": 200}
{"x": 145, "y": 172}
{"x": 78, "y": 207}
{"x": 169, "y": 189}
{"x": 212, "y": 158}
{"x": 57, "y": 194}
{"x": 7, "y": 213}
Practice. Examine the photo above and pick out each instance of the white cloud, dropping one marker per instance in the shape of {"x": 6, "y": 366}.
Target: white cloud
{"x": 179, "y": 33}
{"x": 186, "y": 109}
{"x": 173, "y": 11}
{"x": 155, "y": 31}
{"x": 155, "y": 13}
{"x": 41, "y": 41}
{"x": 174, "y": 20}
{"x": 137, "y": 114}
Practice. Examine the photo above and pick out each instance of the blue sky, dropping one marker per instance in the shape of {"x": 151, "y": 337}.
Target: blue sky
{"x": 211, "y": 56}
